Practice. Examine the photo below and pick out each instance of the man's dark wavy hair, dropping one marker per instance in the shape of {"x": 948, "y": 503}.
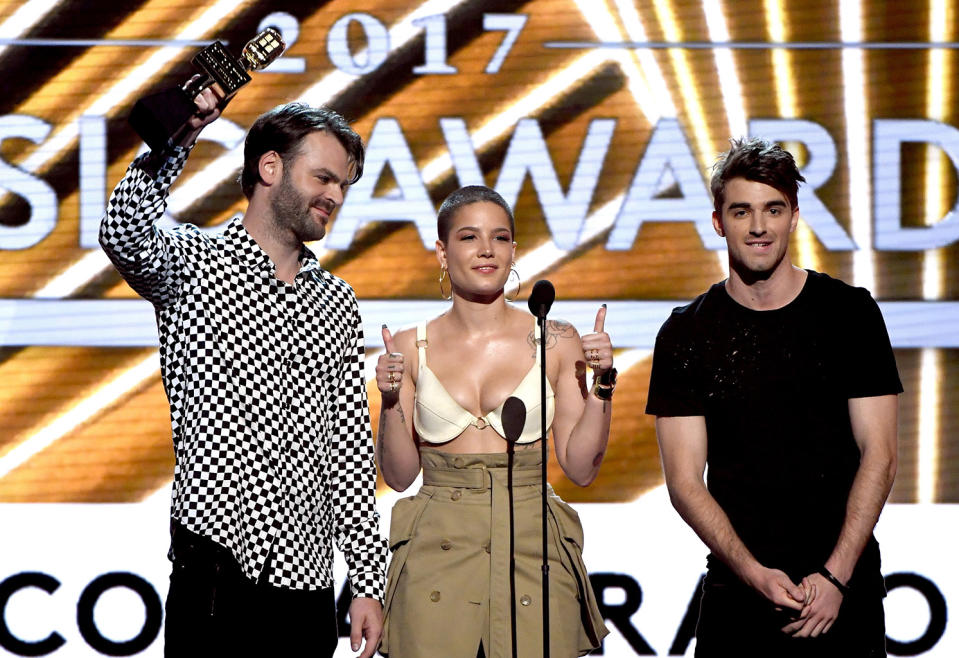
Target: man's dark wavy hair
{"x": 757, "y": 160}
{"x": 283, "y": 128}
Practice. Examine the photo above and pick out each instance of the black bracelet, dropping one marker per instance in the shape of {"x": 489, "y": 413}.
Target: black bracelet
{"x": 604, "y": 385}
{"x": 825, "y": 573}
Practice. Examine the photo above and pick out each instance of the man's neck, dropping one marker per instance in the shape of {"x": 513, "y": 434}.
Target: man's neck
{"x": 766, "y": 294}
{"x": 284, "y": 250}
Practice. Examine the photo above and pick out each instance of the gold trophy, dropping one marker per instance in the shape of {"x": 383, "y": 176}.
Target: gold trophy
{"x": 157, "y": 117}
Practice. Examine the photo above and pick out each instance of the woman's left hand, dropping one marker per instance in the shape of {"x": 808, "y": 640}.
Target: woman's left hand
{"x": 597, "y": 348}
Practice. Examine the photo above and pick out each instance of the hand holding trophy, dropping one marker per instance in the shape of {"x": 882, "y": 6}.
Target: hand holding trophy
{"x": 158, "y": 117}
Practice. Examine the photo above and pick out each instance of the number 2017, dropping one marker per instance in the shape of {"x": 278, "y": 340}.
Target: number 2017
{"x": 378, "y": 39}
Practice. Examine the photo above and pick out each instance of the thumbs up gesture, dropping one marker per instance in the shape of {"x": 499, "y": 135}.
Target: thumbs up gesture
{"x": 597, "y": 348}
{"x": 389, "y": 368}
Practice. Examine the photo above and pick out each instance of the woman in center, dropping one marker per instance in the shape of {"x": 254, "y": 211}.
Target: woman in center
{"x": 448, "y": 589}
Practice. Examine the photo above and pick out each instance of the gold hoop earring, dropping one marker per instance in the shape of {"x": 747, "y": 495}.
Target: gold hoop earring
{"x": 519, "y": 284}
{"x": 442, "y": 278}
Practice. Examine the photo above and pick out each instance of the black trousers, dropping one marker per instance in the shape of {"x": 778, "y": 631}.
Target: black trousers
{"x": 735, "y": 620}
{"x": 212, "y": 609}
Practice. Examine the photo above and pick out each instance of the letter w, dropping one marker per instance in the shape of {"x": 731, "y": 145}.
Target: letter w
{"x": 565, "y": 214}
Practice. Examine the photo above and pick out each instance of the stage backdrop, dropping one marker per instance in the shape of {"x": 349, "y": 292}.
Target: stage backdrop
{"x": 598, "y": 121}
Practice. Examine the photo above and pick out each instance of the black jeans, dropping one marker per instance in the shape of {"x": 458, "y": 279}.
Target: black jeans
{"x": 212, "y": 609}
{"x": 735, "y": 620}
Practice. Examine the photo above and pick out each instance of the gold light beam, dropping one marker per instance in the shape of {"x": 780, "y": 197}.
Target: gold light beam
{"x": 19, "y": 22}
{"x": 941, "y": 19}
{"x": 81, "y": 412}
{"x": 689, "y": 92}
{"x": 857, "y": 143}
{"x": 729, "y": 84}
{"x": 785, "y": 81}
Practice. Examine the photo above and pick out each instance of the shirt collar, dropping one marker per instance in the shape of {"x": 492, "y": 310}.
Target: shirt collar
{"x": 246, "y": 250}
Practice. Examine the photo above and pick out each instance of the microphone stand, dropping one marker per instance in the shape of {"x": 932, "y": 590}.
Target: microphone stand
{"x": 510, "y": 452}
{"x": 514, "y": 418}
{"x": 542, "y": 416}
{"x": 540, "y": 300}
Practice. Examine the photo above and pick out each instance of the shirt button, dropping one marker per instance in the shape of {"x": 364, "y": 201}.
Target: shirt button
{"x": 434, "y": 596}
{"x": 458, "y": 462}
{"x": 446, "y": 545}
{"x": 525, "y": 600}
{"x": 456, "y": 495}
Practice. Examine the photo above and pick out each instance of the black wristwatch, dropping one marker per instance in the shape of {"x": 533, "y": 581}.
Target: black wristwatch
{"x": 604, "y": 385}
{"x": 827, "y": 574}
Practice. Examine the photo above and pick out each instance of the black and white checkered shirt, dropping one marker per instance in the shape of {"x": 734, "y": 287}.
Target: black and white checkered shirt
{"x": 267, "y": 394}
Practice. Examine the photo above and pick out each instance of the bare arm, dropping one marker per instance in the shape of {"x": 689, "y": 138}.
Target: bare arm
{"x": 874, "y": 427}
{"x": 581, "y": 422}
{"x": 682, "y": 444}
{"x": 396, "y": 451}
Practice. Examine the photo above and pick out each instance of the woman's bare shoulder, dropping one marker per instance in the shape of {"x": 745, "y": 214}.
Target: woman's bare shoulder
{"x": 405, "y": 339}
{"x": 561, "y": 333}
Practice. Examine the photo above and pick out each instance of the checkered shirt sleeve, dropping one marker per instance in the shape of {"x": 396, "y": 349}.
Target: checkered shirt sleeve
{"x": 353, "y": 475}
{"x": 149, "y": 259}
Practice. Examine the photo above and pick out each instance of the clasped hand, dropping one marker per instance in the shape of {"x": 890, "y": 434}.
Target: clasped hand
{"x": 816, "y": 600}
{"x": 819, "y": 610}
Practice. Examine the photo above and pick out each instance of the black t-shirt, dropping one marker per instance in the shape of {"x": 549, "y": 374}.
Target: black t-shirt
{"x": 774, "y": 387}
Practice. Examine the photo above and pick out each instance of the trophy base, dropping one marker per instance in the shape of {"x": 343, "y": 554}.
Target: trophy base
{"x": 157, "y": 117}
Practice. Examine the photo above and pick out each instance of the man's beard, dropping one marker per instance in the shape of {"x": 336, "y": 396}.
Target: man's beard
{"x": 292, "y": 212}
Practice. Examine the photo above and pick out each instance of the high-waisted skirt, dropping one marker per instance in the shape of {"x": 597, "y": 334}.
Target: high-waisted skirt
{"x": 448, "y": 585}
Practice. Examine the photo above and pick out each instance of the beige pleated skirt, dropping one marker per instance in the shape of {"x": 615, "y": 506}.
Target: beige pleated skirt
{"x": 448, "y": 586}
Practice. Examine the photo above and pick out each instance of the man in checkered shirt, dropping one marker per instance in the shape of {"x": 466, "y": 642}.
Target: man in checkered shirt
{"x": 262, "y": 361}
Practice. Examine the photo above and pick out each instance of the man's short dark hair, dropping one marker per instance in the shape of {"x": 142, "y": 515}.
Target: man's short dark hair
{"x": 464, "y": 197}
{"x": 759, "y": 161}
{"x": 283, "y": 128}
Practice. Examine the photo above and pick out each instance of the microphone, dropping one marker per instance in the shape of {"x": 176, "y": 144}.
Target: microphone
{"x": 541, "y": 299}
{"x": 514, "y": 418}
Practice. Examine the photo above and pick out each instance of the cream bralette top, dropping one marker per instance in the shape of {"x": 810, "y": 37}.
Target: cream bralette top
{"x": 439, "y": 418}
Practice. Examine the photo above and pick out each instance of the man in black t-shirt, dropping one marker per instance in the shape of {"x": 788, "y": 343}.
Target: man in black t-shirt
{"x": 783, "y": 380}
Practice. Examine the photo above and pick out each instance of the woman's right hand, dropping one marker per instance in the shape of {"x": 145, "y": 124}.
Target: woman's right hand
{"x": 389, "y": 369}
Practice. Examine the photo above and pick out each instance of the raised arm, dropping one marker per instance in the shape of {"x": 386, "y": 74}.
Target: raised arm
{"x": 581, "y": 422}
{"x": 149, "y": 259}
{"x": 396, "y": 451}
{"x": 682, "y": 445}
